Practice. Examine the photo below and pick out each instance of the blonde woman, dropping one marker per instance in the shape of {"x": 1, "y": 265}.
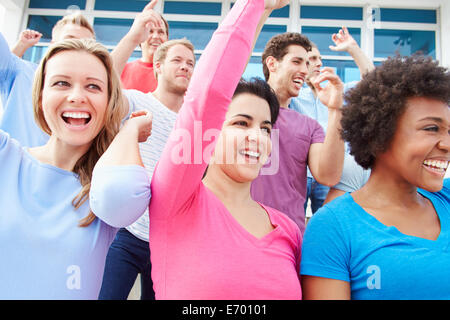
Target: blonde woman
{"x": 53, "y": 246}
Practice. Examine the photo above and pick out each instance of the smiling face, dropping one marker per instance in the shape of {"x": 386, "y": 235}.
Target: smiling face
{"x": 74, "y": 100}
{"x": 244, "y": 144}
{"x": 288, "y": 74}
{"x": 419, "y": 153}
{"x": 157, "y": 36}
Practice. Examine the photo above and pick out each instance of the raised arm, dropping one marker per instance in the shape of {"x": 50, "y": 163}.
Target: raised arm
{"x": 345, "y": 42}
{"x": 212, "y": 86}
{"x": 326, "y": 160}
{"x": 27, "y": 39}
{"x": 138, "y": 33}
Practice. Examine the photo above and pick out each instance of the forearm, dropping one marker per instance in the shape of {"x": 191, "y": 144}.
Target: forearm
{"x": 122, "y": 52}
{"x": 19, "y": 49}
{"x": 363, "y": 62}
{"x": 331, "y": 156}
{"x": 123, "y": 150}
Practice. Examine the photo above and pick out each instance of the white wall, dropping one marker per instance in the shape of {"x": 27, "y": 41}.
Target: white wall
{"x": 11, "y": 13}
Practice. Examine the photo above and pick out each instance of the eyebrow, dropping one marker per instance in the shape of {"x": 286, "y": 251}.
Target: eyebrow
{"x": 67, "y": 77}
{"x": 437, "y": 119}
{"x": 250, "y": 118}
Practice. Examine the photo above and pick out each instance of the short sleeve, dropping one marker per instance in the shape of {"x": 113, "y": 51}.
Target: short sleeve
{"x": 119, "y": 205}
{"x": 325, "y": 252}
{"x": 317, "y": 132}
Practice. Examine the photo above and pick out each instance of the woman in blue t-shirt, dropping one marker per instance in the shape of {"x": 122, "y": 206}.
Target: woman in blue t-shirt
{"x": 391, "y": 238}
{"x": 53, "y": 246}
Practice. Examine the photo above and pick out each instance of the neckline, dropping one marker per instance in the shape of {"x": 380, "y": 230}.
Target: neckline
{"x": 27, "y": 154}
{"x": 258, "y": 242}
{"x": 440, "y": 240}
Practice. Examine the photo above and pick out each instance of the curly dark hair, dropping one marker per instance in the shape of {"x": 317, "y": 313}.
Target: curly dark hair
{"x": 277, "y": 47}
{"x": 373, "y": 107}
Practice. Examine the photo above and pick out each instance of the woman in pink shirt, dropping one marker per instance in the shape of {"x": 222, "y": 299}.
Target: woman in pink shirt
{"x": 208, "y": 238}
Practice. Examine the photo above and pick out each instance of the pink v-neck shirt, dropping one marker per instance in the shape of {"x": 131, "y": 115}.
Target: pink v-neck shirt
{"x": 198, "y": 250}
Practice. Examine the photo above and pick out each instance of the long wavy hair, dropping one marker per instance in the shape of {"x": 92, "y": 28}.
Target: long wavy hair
{"x": 114, "y": 114}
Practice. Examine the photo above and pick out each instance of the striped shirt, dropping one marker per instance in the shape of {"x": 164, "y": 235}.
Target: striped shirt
{"x": 163, "y": 122}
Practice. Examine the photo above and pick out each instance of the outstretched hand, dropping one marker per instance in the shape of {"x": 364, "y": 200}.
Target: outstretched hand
{"x": 142, "y": 121}
{"x": 343, "y": 40}
{"x": 29, "y": 38}
{"x": 332, "y": 94}
{"x": 144, "y": 21}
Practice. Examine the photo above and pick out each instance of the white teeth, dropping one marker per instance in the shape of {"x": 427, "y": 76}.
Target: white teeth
{"x": 436, "y": 163}
{"x": 76, "y": 115}
{"x": 250, "y": 153}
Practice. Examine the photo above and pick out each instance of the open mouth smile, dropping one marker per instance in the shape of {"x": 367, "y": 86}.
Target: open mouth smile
{"x": 76, "y": 119}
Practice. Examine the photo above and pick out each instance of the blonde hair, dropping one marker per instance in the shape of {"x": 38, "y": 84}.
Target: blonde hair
{"x": 114, "y": 114}
{"x": 74, "y": 18}
{"x": 161, "y": 52}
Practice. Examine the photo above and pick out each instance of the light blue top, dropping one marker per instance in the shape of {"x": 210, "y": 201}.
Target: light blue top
{"x": 43, "y": 252}
{"x": 353, "y": 176}
{"x": 16, "y": 81}
{"x": 344, "y": 242}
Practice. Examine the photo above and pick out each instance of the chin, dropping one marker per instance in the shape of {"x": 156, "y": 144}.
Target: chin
{"x": 432, "y": 186}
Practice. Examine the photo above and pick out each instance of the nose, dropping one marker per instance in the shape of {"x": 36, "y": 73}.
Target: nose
{"x": 77, "y": 95}
{"x": 253, "y": 134}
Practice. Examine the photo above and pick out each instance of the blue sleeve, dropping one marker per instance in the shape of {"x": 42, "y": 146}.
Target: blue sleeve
{"x": 6, "y": 65}
{"x": 119, "y": 205}
{"x": 325, "y": 252}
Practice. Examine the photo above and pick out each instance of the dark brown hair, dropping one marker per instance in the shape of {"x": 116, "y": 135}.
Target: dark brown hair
{"x": 277, "y": 47}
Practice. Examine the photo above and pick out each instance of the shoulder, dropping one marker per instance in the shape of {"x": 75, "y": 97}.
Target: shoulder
{"x": 139, "y": 100}
{"x": 340, "y": 211}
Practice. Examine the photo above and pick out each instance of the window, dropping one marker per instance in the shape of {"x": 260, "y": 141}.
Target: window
{"x": 406, "y": 42}
{"x": 200, "y": 8}
{"x": 120, "y": 5}
{"x": 57, "y": 4}
{"x": 43, "y": 24}
{"x": 321, "y": 36}
{"x": 109, "y": 31}
{"x": 332, "y": 13}
{"x": 198, "y": 33}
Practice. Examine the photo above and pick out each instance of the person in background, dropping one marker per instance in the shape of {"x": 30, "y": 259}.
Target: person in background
{"x": 309, "y": 104}
{"x": 301, "y": 140}
{"x": 17, "y": 77}
{"x": 139, "y": 74}
{"x": 389, "y": 240}
{"x": 53, "y": 246}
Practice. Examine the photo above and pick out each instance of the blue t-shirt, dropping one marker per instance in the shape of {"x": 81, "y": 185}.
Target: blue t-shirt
{"x": 343, "y": 242}
{"x": 44, "y": 254}
{"x": 16, "y": 82}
